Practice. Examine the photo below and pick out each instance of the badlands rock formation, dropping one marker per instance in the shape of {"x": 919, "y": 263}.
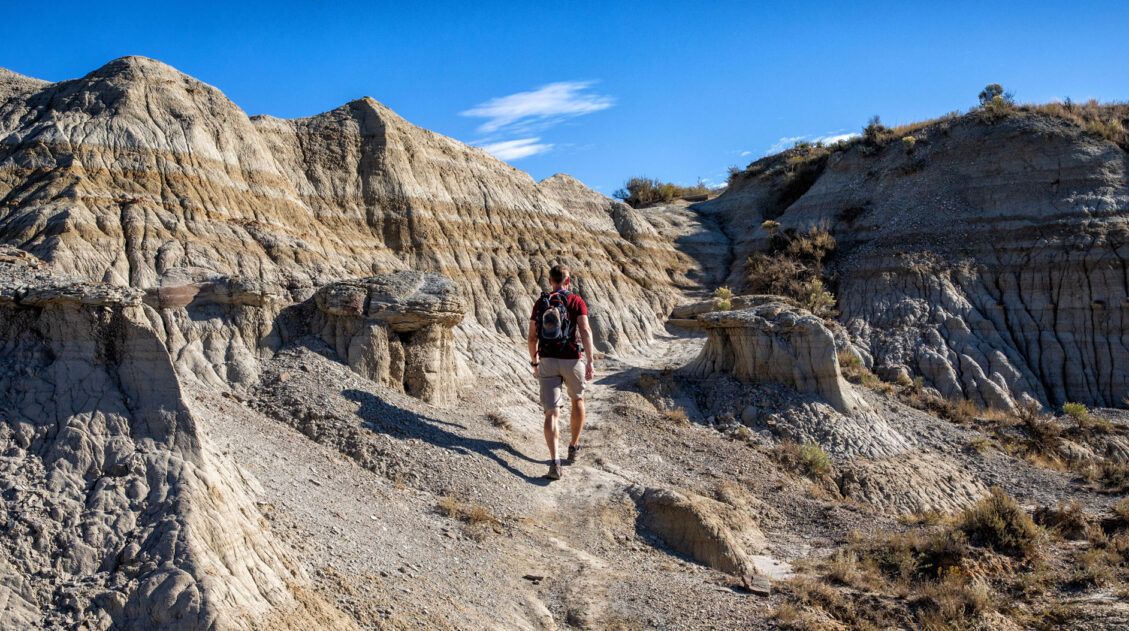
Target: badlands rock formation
{"x": 769, "y": 341}
{"x": 710, "y": 531}
{"x": 118, "y": 510}
{"x": 236, "y": 359}
{"x": 395, "y": 329}
{"x": 136, "y": 170}
{"x": 989, "y": 259}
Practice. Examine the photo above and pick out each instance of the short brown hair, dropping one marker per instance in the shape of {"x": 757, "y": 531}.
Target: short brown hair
{"x": 558, "y": 273}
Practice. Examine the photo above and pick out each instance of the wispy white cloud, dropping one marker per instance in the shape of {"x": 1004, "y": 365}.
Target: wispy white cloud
{"x": 746, "y": 153}
{"x": 549, "y": 103}
{"x": 516, "y": 149}
{"x": 829, "y": 138}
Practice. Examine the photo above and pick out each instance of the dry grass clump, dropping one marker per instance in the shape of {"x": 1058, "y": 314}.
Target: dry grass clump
{"x": 793, "y": 266}
{"x": 477, "y": 520}
{"x": 948, "y": 573}
{"x": 916, "y": 395}
{"x": 677, "y": 416}
{"x": 955, "y": 598}
{"x": 723, "y": 298}
{"x": 1108, "y": 121}
{"x": 1069, "y": 521}
{"x": 808, "y": 459}
{"x": 499, "y": 421}
{"x": 980, "y": 444}
{"x": 816, "y": 606}
{"x": 1121, "y": 512}
{"x": 934, "y": 572}
{"x": 855, "y": 371}
{"x": 1109, "y": 475}
{"x": 998, "y": 522}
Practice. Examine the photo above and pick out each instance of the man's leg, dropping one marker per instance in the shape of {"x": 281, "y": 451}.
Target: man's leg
{"x": 576, "y": 421}
{"x": 552, "y": 432}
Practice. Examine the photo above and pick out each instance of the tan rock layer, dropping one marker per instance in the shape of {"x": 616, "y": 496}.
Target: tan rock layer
{"x": 137, "y": 169}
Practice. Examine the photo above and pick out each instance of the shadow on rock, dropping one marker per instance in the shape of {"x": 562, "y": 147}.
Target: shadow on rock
{"x": 383, "y": 417}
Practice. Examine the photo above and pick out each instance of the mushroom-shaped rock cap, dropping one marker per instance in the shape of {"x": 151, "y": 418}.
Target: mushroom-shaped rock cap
{"x": 406, "y": 301}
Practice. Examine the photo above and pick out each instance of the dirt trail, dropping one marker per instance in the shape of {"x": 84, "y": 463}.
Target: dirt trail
{"x": 566, "y": 554}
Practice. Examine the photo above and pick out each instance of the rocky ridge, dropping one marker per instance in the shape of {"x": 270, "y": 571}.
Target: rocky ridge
{"x": 990, "y": 258}
{"x": 137, "y": 170}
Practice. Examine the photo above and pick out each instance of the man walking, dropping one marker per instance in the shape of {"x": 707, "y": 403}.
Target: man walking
{"x": 554, "y": 353}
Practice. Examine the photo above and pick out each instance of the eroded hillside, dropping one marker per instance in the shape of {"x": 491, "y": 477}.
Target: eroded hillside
{"x": 988, "y": 255}
{"x": 265, "y": 373}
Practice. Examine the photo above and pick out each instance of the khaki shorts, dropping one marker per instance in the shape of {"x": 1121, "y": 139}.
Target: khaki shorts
{"x": 555, "y": 371}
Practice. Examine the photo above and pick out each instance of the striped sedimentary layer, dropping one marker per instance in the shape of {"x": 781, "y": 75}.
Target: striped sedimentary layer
{"x": 990, "y": 258}
{"x": 136, "y": 170}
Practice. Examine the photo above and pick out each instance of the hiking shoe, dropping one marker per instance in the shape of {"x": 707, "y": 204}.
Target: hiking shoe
{"x": 554, "y": 471}
{"x": 572, "y": 451}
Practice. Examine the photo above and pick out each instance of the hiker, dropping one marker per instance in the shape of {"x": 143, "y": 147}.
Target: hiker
{"x": 554, "y": 352}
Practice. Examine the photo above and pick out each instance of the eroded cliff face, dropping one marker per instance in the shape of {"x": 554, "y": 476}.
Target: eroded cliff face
{"x": 989, "y": 259}
{"x": 117, "y": 509}
{"x": 136, "y": 170}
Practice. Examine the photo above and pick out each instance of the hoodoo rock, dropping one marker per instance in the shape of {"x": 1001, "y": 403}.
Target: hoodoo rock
{"x": 395, "y": 329}
{"x": 772, "y": 342}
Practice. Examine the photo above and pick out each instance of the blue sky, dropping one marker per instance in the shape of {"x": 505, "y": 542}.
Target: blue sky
{"x": 604, "y": 90}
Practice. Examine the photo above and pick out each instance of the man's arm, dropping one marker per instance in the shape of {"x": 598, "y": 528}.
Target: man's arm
{"x": 589, "y": 347}
{"x": 531, "y": 337}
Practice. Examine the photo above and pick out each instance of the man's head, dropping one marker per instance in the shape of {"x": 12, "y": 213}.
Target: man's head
{"x": 560, "y": 277}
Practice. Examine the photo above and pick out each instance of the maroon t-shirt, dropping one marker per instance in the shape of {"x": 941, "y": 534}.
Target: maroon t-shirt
{"x": 575, "y": 306}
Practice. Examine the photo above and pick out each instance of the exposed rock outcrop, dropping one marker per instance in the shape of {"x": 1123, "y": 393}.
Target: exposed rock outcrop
{"x": 772, "y": 342}
{"x": 990, "y": 259}
{"x": 913, "y": 482}
{"x": 116, "y": 509}
{"x": 137, "y": 169}
{"x": 395, "y": 329}
{"x": 704, "y": 529}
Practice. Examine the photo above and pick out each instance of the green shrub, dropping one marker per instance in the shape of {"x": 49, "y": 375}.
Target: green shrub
{"x": 1087, "y": 421}
{"x": 793, "y": 267}
{"x": 723, "y": 293}
{"x": 1077, "y": 411}
{"x": 992, "y": 94}
{"x": 723, "y": 305}
{"x": 643, "y": 191}
{"x": 808, "y": 459}
{"x": 875, "y": 133}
